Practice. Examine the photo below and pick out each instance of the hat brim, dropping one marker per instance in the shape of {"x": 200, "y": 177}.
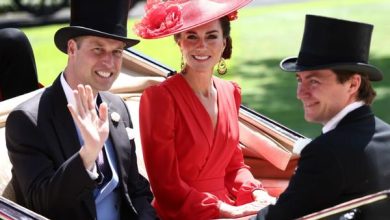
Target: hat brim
{"x": 374, "y": 74}
{"x": 63, "y": 35}
{"x": 199, "y": 12}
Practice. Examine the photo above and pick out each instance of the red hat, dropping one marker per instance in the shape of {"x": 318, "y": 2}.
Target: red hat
{"x": 164, "y": 18}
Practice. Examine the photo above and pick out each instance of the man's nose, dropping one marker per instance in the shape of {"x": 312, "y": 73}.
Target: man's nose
{"x": 108, "y": 60}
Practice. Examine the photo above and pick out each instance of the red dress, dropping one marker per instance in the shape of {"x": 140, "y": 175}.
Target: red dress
{"x": 191, "y": 166}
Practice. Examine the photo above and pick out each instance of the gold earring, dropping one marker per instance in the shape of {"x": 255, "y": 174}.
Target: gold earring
{"x": 222, "y": 69}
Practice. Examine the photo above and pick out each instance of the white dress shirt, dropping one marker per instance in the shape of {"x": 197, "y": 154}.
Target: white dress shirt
{"x": 332, "y": 123}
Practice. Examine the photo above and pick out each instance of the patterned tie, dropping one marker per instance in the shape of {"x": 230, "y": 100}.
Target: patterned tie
{"x": 104, "y": 167}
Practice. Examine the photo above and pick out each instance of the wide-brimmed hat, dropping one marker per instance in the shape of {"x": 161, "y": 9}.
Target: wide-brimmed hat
{"x": 330, "y": 43}
{"x": 164, "y": 18}
{"x": 101, "y": 18}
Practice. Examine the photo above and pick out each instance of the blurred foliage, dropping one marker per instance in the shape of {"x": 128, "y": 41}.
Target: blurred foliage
{"x": 7, "y": 6}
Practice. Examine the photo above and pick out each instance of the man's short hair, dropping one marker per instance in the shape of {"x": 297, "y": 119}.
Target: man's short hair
{"x": 366, "y": 92}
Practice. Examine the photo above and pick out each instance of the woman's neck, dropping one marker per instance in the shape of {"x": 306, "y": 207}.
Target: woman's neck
{"x": 201, "y": 83}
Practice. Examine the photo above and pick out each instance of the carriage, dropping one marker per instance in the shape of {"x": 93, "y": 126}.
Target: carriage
{"x": 268, "y": 146}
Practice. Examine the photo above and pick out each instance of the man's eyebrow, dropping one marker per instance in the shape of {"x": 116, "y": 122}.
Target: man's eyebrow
{"x": 101, "y": 44}
{"x": 95, "y": 43}
{"x": 308, "y": 76}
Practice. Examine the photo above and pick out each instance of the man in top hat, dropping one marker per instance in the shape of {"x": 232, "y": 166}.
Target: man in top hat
{"x": 351, "y": 158}
{"x": 80, "y": 163}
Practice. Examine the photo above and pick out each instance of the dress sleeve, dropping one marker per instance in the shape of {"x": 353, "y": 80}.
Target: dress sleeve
{"x": 239, "y": 179}
{"x": 174, "y": 198}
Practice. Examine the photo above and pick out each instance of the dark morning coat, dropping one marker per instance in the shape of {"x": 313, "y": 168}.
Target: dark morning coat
{"x": 48, "y": 173}
{"x": 348, "y": 162}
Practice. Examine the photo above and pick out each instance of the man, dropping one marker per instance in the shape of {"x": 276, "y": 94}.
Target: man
{"x": 83, "y": 167}
{"x": 18, "y": 74}
{"x": 351, "y": 158}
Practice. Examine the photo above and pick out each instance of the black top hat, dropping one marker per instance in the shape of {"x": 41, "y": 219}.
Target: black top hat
{"x": 102, "y": 18}
{"x": 330, "y": 43}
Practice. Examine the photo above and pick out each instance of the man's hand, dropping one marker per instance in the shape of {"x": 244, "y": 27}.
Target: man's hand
{"x": 263, "y": 197}
{"x": 93, "y": 127}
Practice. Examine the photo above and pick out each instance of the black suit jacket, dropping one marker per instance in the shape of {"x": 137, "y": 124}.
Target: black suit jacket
{"x": 48, "y": 174}
{"x": 350, "y": 161}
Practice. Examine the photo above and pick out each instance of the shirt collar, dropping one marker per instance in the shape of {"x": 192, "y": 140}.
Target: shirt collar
{"x": 68, "y": 91}
{"x": 332, "y": 123}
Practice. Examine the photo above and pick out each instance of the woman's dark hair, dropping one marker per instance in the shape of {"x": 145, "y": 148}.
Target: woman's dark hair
{"x": 365, "y": 93}
{"x": 225, "y": 24}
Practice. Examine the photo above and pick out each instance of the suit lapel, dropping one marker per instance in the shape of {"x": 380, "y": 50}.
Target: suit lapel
{"x": 66, "y": 130}
{"x": 63, "y": 121}
{"x": 119, "y": 137}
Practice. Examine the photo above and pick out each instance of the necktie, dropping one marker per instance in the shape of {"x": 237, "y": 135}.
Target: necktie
{"x": 104, "y": 167}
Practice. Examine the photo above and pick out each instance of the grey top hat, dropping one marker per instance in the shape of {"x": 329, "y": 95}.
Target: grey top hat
{"x": 102, "y": 18}
{"x": 330, "y": 43}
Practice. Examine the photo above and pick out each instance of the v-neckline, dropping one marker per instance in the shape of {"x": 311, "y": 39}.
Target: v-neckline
{"x": 204, "y": 110}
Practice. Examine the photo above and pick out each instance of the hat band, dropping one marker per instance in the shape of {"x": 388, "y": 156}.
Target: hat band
{"x": 114, "y": 29}
{"x": 310, "y": 59}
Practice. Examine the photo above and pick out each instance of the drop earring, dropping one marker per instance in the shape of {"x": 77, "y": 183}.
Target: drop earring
{"x": 222, "y": 69}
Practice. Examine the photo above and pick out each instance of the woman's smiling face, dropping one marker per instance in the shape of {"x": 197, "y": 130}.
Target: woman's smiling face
{"x": 202, "y": 46}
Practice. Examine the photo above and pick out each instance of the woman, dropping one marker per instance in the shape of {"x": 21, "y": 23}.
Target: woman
{"x": 189, "y": 123}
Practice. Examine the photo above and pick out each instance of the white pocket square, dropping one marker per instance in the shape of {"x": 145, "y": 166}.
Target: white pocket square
{"x": 130, "y": 133}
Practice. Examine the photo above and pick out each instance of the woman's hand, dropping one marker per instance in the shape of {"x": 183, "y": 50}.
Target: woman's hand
{"x": 261, "y": 200}
{"x": 229, "y": 211}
